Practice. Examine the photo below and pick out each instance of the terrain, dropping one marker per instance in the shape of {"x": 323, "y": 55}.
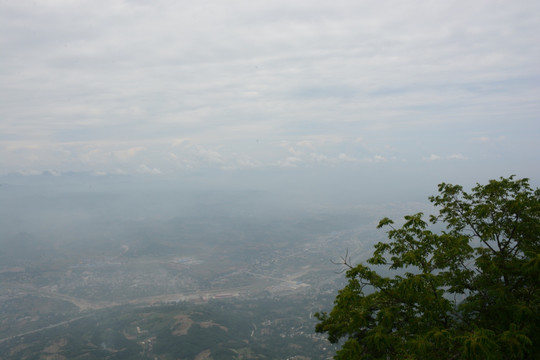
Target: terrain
{"x": 80, "y": 278}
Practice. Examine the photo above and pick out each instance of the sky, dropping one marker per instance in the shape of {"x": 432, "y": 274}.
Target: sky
{"x": 168, "y": 87}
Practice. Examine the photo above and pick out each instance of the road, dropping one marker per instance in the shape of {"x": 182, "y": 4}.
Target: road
{"x": 44, "y": 328}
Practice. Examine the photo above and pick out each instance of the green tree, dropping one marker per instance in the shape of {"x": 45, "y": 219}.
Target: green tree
{"x": 469, "y": 291}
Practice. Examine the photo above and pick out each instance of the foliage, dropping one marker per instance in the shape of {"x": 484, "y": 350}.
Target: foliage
{"x": 471, "y": 291}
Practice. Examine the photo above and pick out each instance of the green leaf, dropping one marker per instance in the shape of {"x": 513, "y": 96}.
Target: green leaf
{"x": 469, "y": 291}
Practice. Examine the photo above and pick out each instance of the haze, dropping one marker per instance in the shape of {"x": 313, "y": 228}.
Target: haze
{"x": 207, "y": 148}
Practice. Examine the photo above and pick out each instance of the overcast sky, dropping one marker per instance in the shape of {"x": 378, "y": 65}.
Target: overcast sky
{"x": 168, "y": 87}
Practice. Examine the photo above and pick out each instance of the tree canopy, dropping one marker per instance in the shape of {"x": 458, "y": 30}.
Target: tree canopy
{"x": 469, "y": 291}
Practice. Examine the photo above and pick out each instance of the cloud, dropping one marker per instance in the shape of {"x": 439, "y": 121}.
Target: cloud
{"x": 290, "y": 161}
{"x": 124, "y": 155}
{"x": 93, "y": 156}
{"x": 111, "y": 86}
{"x": 306, "y": 143}
{"x": 245, "y": 162}
{"x": 322, "y": 140}
{"x": 241, "y": 162}
{"x": 294, "y": 151}
{"x": 486, "y": 139}
{"x": 345, "y": 157}
{"x": 144, "y": 169}
{"x": 21, "y": 146}
{"x": 29, "y": 172}
{"x": 482, "y": 139}
{"x": 457, "y": 157}
{"x": 180, "y": 142}
{"x": 318, "y": 157}
{"x": 432, "y": 157}
{"x": 207, "y": 155}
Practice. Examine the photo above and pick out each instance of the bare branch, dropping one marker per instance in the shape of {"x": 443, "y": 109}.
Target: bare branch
{"x": 345, "y": 261}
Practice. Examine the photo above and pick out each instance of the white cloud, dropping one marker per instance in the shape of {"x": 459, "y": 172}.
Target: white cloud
{"x": 245, "y": 162}
{"x": 290, "y": 161}
{"x": 306, "y": 143}
{"x": 294, "y": 151}
{"x": 126, "y": 154}
{"x": 241, "y": 162}
{"x": 318, "y": 157}
{"x": 94, "y": 156}
{"x": 486, "y": 139}
{"x": 111, "y": 84}
{"x": 457, "y": 157}
{"x": 482, "y": 139}
{"x": 12, "y": 146}
{"x": 29, "y": 172}
{"x": 345, "y": 157}
{"x": 144, "y": 169}
{"x": 180, "y": 142}
{"x": 432, "y": 157}
{"x": 207, "y": 154}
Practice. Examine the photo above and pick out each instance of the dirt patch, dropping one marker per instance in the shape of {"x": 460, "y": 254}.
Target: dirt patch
{"x": 51, "y": 351}
{"x": 55, "y": 347}
{"x": 182, "y": 325}
{"x": 207, "y": 324}
{"x": 18, "y": 348}
{"x": 53, "y": 357}
{"x": 204, "y": 355}
{"x": 128, "y": 335}
{"x": 15, "y": 269}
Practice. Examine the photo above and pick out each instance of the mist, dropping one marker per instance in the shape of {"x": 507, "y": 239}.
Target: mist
{"x": 183, "y": 180}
